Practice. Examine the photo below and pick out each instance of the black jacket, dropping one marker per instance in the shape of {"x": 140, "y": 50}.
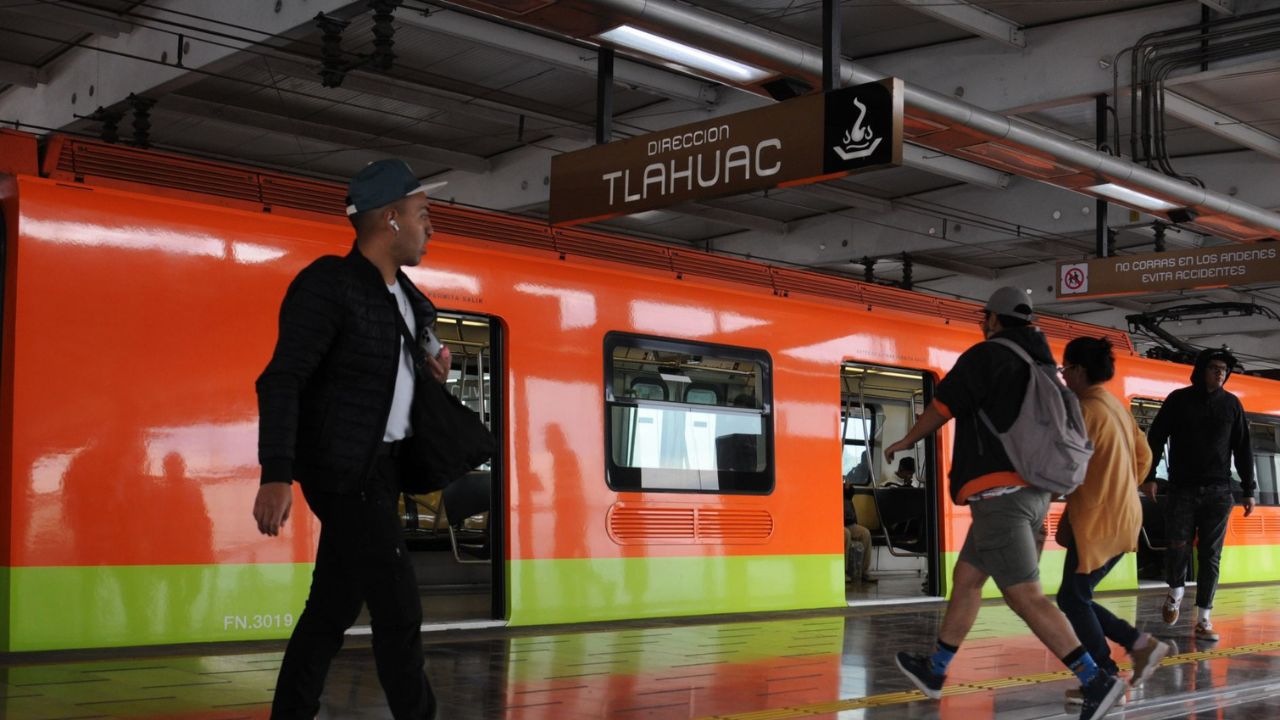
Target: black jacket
{"x": 324, "y": 398}
{"x": 992, "y": 378}
{"x": 1204, "y": 429}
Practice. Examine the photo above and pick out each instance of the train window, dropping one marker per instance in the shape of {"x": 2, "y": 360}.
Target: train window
{"x": 1264, "y": 434}
{"x": 718, "y": 439}
{"x": 1144, "y": 412}
{"x": 859, "y": 426}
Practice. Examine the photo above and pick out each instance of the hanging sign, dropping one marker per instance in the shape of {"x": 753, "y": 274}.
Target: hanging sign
{"x": 1161, "y": 272}
{"x": 808, "y": 139}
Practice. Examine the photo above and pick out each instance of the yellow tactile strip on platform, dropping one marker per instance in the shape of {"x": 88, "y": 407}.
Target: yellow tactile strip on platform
{"x": 965, "y": 688}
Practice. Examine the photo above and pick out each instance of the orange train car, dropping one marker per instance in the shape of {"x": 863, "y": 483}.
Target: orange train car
{"x": 674, "y": 426}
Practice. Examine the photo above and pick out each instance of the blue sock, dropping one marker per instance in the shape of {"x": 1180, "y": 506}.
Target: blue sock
{"x": 1081, "y": 663}
{"x": 942, "y": 656}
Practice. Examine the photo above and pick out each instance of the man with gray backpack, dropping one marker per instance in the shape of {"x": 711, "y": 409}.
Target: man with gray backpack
{"x": 1019, "y": 440}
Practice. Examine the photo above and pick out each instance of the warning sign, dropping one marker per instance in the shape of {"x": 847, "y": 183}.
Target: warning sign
{"x": 1073, "y": 279}
{"x": 1162, "y": 272}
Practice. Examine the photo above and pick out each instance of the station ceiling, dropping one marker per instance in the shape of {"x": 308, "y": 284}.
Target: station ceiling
{"x": 482, "y": 93}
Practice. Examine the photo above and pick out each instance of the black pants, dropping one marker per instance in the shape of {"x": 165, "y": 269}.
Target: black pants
{"x": 362, "y": 559}
{"x": 1092, "y": 622}
{"x": 1200, "y": 512}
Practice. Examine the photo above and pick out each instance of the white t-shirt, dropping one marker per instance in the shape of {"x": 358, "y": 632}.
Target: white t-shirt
{"x": 398, "y": 421}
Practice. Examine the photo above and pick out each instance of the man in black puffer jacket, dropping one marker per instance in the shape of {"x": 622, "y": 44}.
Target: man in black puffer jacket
{"x": 1205, "y": 426}
{"x": 334, "y": 405}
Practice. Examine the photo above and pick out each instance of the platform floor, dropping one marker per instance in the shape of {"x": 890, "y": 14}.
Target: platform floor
{"x": 810, "y": 665}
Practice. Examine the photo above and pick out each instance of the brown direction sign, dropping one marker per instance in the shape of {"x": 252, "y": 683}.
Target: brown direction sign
{"x": 811, "y": 138}
{"x": 1161, "y": 272}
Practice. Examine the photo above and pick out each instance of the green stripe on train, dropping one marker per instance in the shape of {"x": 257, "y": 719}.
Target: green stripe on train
{"x": 566, "y": 591}
{"x": 56, "y": 608}
{"x": 1240, "y": 564}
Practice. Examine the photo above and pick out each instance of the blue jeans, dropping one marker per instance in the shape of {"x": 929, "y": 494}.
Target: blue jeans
{"x": 1093, "y": 623}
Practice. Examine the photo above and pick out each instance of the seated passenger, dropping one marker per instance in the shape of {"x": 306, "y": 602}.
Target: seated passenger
{"x": 905, "y": 474}
{"x": 860, "y": 474}
{"x": 855, "y": 532}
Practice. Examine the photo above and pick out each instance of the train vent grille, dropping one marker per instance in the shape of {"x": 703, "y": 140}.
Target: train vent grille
{"x": 1051, "y": 522}
{"x": 465, "y": 222}
{"x": 722, "y": 268}
{"x": 605, "y": 247}
{"x": 1250, "y": 528}
{"x": 652, "y": 524}
{"x": 91, "y": 161}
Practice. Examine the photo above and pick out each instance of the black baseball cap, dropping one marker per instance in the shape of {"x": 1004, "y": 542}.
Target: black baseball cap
{"x": 381, "y": 183}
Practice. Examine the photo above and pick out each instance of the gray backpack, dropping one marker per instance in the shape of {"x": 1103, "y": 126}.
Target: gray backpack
{"x": 1047, "y": 442}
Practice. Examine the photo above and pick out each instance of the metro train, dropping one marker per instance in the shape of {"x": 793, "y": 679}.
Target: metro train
{"x": 674, "y": 426}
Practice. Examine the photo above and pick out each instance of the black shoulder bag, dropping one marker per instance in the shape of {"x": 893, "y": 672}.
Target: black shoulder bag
{"x": 448, "y": 440}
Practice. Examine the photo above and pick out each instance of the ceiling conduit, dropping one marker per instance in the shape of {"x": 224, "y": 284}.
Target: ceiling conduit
{"x": 934, "y": 120}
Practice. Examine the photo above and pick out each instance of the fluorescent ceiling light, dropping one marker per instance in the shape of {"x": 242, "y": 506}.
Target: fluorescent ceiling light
{"x": 1132, "y": 197}
{"x": 672, "y": 52}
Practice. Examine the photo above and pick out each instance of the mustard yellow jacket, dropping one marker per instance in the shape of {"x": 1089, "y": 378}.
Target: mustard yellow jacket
{"x": 1105, "y": 512}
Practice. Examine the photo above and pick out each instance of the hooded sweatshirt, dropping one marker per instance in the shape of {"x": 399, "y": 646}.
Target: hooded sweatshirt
{"x": 1204, "y": 429}
{"x": 987, "y": 377}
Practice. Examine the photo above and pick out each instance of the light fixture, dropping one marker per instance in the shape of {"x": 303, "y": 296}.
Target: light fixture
{"x": 671, "y": 52}
{"x": 1131, "y": 197}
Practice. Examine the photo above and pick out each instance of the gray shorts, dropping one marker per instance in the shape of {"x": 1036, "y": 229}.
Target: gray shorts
{"x": 1007, "y": 535}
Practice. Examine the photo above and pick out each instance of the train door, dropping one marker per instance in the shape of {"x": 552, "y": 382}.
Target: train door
{"x": 455, "y": 536}
{"x": 897, "y": 504}
{"x": 1151, "y": 539}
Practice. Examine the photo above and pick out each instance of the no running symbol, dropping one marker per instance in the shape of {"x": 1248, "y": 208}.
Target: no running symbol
{"x": 1073, "y": 279}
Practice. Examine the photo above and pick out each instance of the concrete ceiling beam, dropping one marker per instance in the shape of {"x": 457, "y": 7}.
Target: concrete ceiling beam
{"x": 852, "y": 198}
{"x": 26, "y": 76}
{"x": 565, "y": 55}
{"x": 72, "y": 17}
{"x": 1225, "y": 7}
{"x": 971, "y": 18}
{"x": 1221, "y": 124}
{"x": 737, "y": 218}
{"x": 407, "y": 145}
{"x": 116, "y": 67}
{"x": 540, "y": 120}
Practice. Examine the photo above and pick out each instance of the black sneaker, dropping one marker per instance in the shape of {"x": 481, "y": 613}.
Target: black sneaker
{"x": 1100, "y": 695}
{"x": 919, "y": 669}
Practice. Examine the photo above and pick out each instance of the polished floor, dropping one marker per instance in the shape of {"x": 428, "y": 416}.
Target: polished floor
{"x": 806, "y": 665}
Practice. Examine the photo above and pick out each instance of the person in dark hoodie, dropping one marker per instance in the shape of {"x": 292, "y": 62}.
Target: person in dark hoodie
{"x": 1008, "y": 514}
{"x": 1205, "y": 426}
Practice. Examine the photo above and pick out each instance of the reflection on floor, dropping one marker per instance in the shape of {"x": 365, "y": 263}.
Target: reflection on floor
{"x": 887, "y": 587}
{"x": 811, "y": 665}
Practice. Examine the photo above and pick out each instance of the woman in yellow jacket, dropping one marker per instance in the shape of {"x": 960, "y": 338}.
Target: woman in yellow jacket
{"x": 1104, "y": 514}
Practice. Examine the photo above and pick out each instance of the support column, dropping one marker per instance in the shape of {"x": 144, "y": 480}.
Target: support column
{"x": 830, "y": 45}
{"x": 604, "y": 96}
{"x": 1100, "y": 206}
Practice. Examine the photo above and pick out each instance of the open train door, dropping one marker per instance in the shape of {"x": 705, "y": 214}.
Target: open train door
{"x": 898, "y": 504}
{"x": 455, "y": 536}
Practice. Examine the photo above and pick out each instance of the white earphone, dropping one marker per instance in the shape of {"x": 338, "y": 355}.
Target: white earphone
{"x": 394, "y": 225}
